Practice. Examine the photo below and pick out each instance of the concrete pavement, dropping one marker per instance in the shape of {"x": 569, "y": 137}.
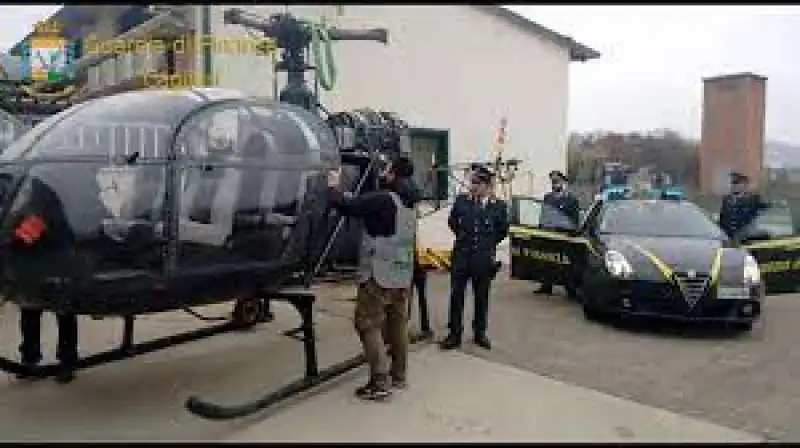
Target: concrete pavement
{"x": 457, "y": 397}
{"x": 141, "y": 399}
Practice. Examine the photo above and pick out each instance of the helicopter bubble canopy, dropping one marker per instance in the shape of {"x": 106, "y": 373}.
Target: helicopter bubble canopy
{"x": 122, "y": 192}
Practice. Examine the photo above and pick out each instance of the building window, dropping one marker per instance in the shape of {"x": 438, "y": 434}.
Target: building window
{"x": 94, "y": 80}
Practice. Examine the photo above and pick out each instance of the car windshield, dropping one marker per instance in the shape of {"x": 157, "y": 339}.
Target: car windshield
{"x": 658, "y": 218}
{"x": 776, "y": 221}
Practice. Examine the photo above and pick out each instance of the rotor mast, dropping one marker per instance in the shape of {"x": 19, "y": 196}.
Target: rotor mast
{"x": 293, "y": 36}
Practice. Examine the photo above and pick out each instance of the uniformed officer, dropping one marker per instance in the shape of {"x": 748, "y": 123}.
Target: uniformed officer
{"x": 386, "y": 270}
{"x": 561, "y": 211}
{"x": 740, "y": 207}
{"x": 479, "y": 222}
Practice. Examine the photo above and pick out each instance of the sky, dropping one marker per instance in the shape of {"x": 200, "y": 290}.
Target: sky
{"x": 653, "y": 60}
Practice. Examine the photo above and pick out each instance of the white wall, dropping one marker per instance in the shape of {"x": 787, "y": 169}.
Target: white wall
{"x": 446, "y": 66}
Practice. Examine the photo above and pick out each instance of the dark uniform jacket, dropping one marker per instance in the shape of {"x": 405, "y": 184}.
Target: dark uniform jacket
{"x": 559, "y": 206}
{"x": 739, "y": 211}
{"x": 478, "y": 229}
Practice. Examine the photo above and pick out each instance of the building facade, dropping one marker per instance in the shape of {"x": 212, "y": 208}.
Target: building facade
{"x": 732, "y": 136}
{"x": 452, "y": 71}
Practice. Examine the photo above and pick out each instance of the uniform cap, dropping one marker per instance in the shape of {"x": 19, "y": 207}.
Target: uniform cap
{"x": 482, "y": 174}
{"x": 557, "y": 175}
{"x": 738, "y": 178}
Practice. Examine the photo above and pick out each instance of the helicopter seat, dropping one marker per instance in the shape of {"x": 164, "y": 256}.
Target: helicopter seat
{"x": 253, "y": 220}
{"x": 219, "y": 226}
{"x": 136, "y": 201}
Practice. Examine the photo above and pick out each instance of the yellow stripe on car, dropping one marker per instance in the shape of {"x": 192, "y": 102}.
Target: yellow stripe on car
{"x": 665, "y": 270}
{"x": 716, "y": 266}
{"x": 522, "y": 232}
{"x": 774, "y": 244}
{"x": 526, "y": 232}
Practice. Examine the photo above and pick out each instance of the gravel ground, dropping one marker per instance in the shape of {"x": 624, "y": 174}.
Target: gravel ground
{"x": 740, "y": 382}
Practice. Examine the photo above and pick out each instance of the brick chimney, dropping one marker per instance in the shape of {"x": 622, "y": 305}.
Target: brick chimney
{"x": 732, "y": 135}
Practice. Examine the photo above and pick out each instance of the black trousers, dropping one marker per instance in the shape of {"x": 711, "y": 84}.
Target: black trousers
{"x": 480, "y": 291}
{"x": 30, "y": 326}
{"x": 421, "y": 285}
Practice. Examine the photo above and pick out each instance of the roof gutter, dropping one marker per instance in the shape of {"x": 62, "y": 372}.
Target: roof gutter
{"x": 577, "y": 51}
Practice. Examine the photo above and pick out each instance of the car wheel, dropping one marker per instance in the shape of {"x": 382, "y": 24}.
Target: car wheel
{"x": 248, "y": 312}
{"x": 572, "y": 292}
{"x": 590, "y": 312}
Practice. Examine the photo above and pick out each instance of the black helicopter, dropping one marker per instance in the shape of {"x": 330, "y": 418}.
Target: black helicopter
{"x": 160, "y": 200}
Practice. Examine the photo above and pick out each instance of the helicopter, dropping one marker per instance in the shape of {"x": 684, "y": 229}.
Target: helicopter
{"x": 154, "y": 201}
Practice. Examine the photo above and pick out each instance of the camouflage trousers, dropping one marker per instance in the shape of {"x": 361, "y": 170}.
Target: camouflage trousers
{"x": 381, "y": 318}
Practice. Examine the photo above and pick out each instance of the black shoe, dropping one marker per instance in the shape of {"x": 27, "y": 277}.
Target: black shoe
{"x": 65, "y": 375}
{"x": 450, "y": 342}
{"x": 545, "y": 289}
{"x": 483, "y": 342}
{"x": 425, "y": 335}
{"x": 30, "y": 372}
{"x": 374, "y": 391}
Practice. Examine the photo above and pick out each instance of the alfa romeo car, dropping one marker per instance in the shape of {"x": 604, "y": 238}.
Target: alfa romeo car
{"x": 654, "y": 258}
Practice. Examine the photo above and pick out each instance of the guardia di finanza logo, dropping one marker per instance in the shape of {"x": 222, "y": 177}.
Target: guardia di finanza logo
{"x": 47, "y": 55}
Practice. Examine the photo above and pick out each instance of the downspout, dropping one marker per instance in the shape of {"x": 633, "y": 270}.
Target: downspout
{"x": 205, "y": 30}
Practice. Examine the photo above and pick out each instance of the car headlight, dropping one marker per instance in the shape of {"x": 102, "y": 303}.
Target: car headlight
{"x": 617, "y": 265}
{"x": 752, "y": 274}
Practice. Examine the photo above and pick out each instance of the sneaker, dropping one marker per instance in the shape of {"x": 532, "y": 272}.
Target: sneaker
{"x": 399, "y": 385}
{"x": 374, "y": 392}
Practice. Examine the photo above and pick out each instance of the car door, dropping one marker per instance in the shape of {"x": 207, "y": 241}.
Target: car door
{"x": 545, "y": 245}
{"x": 773, "y": 239}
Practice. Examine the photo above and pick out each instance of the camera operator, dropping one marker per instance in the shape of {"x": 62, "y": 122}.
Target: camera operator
{"x": 386, "y": 269}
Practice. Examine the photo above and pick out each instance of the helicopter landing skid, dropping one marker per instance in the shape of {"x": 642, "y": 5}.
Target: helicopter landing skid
{"x": 129, "y": 349}
{"x": 313, "y": 377}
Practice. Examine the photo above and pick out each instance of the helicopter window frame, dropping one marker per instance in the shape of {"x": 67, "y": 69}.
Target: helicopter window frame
{"x": 190, "y": 165}
{"x": 196, "y": 124}
{"x": 20, "y": 148}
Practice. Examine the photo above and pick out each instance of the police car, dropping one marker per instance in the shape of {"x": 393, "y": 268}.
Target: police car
{"x": 654, "y": 258}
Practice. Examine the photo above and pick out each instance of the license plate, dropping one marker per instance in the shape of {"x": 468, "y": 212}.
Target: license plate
{"x": 739, "y": 292}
